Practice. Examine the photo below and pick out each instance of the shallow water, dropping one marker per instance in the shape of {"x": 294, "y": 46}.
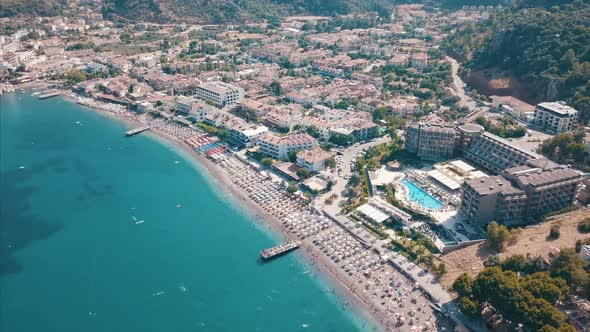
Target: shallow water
{"x": 93, "y": 240}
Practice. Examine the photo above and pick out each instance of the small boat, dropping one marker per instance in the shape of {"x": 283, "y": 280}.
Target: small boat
{"x": 158, "y": 294}
{"x": 179, "y": 205}
{"x": 22, "y": 167}
{"x": 140, "y": 222}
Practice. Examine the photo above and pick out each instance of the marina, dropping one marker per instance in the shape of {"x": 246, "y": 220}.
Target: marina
{"x": 281, "y": 249}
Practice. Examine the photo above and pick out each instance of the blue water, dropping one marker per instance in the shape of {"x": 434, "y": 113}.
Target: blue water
{"x": 73, "y": 257}
{"x": 421, "y": 197}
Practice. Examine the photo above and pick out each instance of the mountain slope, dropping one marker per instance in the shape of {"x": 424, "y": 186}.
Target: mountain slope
{"x": 232, "y": 11}
{"x": 545, "y": 48}
{"x": 9, "y": 8}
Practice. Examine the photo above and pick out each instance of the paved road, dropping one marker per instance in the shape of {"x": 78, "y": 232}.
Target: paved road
{"x": 465, "y": 99}
{"x": 347, "y": 155}
{"x": 426, "y": 280}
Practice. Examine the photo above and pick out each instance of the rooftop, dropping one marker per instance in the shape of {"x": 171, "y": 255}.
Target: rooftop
{"x": 558, "y": 107}
{"x": 314, "y": 155}
{"x": 490, "y": 185}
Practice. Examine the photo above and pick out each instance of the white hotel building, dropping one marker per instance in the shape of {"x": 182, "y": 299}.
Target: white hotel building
{"x": 219, "y": 93}
{"x": 279, "y": 147}
{"x": 555, "y": 117}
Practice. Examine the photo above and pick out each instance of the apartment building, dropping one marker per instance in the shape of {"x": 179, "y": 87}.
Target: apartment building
{"x": 496, "y": 154}
{"x": 314, "y": 159}
{"x": 279, "y": 147}
{"x": 430, "y": 141}
{"x": 548, "y": 186}
{"x": 555, "y": 117}
{"x": 522, "y": 194}
{"x": 193, "y": 107}
{"x": 241, "y": 134}
{"x": 492, "y": 198}
{"x": 219, "y": 93}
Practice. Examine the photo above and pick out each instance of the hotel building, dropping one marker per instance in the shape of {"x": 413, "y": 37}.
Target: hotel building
{"x": 522, "y": 195}
{"x": 314, "y": 159}
{"x": 430, "y": 141}
{"x": 555, "y": 117}
{"x": 219, "y": 93}
{"x": 279, "y": 147}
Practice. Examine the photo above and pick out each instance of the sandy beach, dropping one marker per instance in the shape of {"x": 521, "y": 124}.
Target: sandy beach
{"x": 352, "y": 290}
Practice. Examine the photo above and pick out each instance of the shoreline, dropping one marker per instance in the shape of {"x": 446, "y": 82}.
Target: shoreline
{"x": 334, "y": 283}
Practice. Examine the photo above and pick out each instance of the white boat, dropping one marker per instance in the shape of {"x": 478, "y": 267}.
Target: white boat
{"x": 140, "y": 222}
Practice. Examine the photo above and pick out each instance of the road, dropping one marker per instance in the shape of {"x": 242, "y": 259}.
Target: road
{"x": 426, "y": 280}
{"x": 465, "y": 99}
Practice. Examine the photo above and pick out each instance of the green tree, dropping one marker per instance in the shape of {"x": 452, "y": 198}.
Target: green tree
{"x": 570, "y": 267}
{"x": 267, "y": 162}
{"x": 292, "y": 156}
{"x": 463, "y": 285}
{"x": 542, "y": 285}
{"x": 497, "y": 235}
{"x": 313, "y": 131}
{"x": 584, "y": 226}
{"x": 331, "y": 163}
{"x": 514, "y": 263}
{"x": 76, "y": 76}
{"x": 303, "y": 172}
{"x": 469, "y": 307}
{"x": 292, "y": 188}
{"x": 554, "y": 232}
{"x": 275, "y": 88}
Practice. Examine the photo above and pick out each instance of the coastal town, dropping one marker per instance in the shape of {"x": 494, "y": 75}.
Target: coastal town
{"x": 353, "y": 137}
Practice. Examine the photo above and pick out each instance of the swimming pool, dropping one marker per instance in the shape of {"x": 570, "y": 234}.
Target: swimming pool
{"x": 418, "y": 195}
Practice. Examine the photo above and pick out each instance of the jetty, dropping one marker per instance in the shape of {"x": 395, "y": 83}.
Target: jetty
{"x": 137, "y": 130}
{"x": 49, "y": 94}
{"x": 281, "y": 249}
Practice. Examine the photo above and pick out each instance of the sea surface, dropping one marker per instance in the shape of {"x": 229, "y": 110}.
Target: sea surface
{"x": 99, "y": 232}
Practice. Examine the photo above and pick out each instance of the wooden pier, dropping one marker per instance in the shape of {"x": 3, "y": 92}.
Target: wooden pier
{"x": 281, "y": 249}
{"x": 137, "y": 130}
{"x": 49, "y": 94}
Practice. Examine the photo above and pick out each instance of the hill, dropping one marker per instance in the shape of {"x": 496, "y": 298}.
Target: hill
{"x": 9, "y": 8}
{"x": 233, "y": 11}
{"x": 540, "y": 48}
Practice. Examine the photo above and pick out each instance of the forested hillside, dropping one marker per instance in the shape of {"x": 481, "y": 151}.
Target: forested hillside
{"x": 233, "y": 11}
{"x": 544, "y": 45}
{"x": 9, "y": 8}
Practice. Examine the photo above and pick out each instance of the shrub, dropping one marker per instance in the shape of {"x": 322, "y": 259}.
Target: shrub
{"x": 554, "y": 232}
{"x": 584, "y": 226}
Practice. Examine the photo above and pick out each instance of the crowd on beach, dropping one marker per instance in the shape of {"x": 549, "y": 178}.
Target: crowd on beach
{"x": 395, "y": 299}
{"x": 389, "y": 295}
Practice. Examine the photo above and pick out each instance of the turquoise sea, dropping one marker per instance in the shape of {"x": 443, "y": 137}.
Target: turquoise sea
{"x": 73, "y": 256}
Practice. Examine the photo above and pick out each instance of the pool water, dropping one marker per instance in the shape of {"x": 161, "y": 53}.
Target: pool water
{"x": 420, "y": 196}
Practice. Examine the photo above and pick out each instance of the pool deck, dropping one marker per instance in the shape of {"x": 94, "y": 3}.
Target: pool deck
{"x": 425, "y": 199}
